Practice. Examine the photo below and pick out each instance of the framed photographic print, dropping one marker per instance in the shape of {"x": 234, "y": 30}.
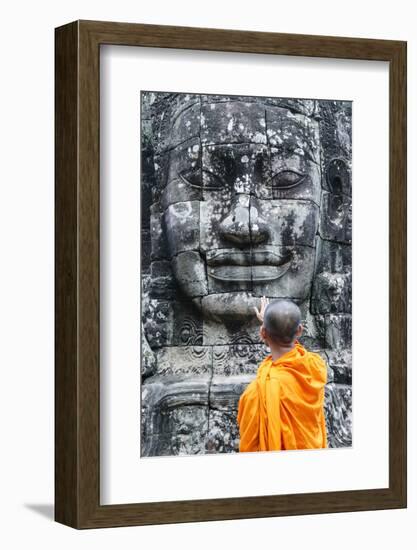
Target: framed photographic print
{"x": 230, "y": 274}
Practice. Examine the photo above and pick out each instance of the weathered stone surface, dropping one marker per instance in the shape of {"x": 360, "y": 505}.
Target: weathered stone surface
{"x": 148, "y": 359}
{"x": 174, "y": 414}
{"x": 186, "y": 125}
{"x": 293, "y": 136}
{"x": 241, "y": 197}
{"x": 338, "y": 331}
{"x": 344, "y": 129}
{"x": 158, "y": 174}
{"x": 340, "y": 362}
{"x": 237, "y": 359}
{"x": 184, "y": 361}
{"x": 240, "y": 168}
{"x": 336, "y": 218}
{"x": 223, "y": 226}
{"x": 338, "y": 407}
{"x": 330, "y": 374}
{"x": 145, "y": 251}
{"x": 313, "y": 335}
{"x": 190, "y": 272}
{"x": 183, "y": 172}
{"x": 333, "y": 257}
{"x": 232, "y": 122}
{"x": 157, "y": 319}
{"x": 332, "y": 293}
{"x": 338, "y": 179}
{"x": 167, "y": 108}
{"x": 159, "y": 245}
{"x": 179, "y": 430}
{"x": 290, "y": 222}
{"x": 225, "y": 391}
{"x": 292, "y": 177}
{"x": 171, "y": 323}
{"x": 229, "y": 307}
{"x": 230, "y": 270}
{"x": 215, "y": 98}
{"x": 146, "y": 101}
{"x": 188, "y": 327}
{"x": 147, "y": 161}
{"x": 229, "y": 278}
{"x": 335, "y": 130}
{"x": 230, "y": 332}
{"x": 306, "y": 107}
{"x": 294, "y": 273}
{"x": 223, "y": 433}
{"x": 192, "y": 433}
{"x": 163, "y": 283}
{"x": 332, "y": 288}
{"x": 182, "y": 221}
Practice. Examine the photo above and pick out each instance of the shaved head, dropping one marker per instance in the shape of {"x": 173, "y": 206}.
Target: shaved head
{"x": 282, "y": 319}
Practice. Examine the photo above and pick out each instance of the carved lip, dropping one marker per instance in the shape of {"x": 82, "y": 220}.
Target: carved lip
{"x": 244, "y": 273}
{"x": 258, "y": 266}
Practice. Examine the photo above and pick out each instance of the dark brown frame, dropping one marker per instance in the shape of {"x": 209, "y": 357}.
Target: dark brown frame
{"x": 77, "y": 360}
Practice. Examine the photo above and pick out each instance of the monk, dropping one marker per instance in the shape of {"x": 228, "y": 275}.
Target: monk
{"x": 283, "y": 407}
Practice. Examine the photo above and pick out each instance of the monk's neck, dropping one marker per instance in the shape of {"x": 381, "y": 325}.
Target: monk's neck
{"x": 279, "y": 351}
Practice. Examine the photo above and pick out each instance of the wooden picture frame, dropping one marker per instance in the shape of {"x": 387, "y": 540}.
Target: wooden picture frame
{"x": 77, "y": 374}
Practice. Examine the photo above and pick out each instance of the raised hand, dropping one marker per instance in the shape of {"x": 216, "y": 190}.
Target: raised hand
{"x": 260, "y": 313}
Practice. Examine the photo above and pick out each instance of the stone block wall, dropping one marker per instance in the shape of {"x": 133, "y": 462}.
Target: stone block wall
{"x": 240, "y": 197}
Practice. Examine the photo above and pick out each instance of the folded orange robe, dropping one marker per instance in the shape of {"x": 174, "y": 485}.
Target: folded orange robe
{"x": 283, "y": 407}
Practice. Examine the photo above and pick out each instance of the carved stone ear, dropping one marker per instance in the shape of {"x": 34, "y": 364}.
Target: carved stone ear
{"x": 336, "y": 218}
{"x": 338, "y": 177}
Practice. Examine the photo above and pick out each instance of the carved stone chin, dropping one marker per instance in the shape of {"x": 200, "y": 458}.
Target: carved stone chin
{"x": 228, "y": 306}
{"x": 241, "y": 197}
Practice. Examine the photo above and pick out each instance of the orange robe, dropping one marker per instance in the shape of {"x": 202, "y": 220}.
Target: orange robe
{"x": 283, "y": 407}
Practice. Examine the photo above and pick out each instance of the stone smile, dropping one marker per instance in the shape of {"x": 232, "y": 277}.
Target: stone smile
{"x": 259, "y": 266}
{"x": 244, "y": 273}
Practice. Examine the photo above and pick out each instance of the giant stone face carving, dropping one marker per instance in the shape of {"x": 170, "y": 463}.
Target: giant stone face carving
{"x": 241, "y": 197}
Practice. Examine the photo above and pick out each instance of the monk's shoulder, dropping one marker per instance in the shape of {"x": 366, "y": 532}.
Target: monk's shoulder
{"x": 316, "y": 356}
{"x": 318, "y": 364}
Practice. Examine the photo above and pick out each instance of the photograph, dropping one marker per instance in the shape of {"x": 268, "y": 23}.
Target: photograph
{"x": 209, "y": 259}
{"x": 245, "y": 274}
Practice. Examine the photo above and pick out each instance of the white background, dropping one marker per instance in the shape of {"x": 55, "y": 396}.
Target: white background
{"x": 26, "y": 218}
{"x": 125, "y": 478}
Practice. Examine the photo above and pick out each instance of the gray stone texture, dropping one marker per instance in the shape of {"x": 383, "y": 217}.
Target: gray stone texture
{"x": 232, "y": 122}
{"x": 336, "y": 219}
{"x": 240, "y": 197}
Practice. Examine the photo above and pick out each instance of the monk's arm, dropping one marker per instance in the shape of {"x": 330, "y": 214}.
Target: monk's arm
{"x": 248, "y": 421}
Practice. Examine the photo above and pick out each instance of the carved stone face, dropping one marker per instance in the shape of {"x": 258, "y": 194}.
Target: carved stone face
{"x": 241, "y": 205}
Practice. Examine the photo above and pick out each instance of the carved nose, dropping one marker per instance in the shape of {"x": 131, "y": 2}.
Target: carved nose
{"x": 259, "y": 227}
{"x": 243, "y": 225}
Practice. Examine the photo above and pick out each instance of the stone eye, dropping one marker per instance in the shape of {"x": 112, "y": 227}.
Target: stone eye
{"x": 191, "y": 177}
{"x": 287, "y": 179}
{"x": 201, "y": 179}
